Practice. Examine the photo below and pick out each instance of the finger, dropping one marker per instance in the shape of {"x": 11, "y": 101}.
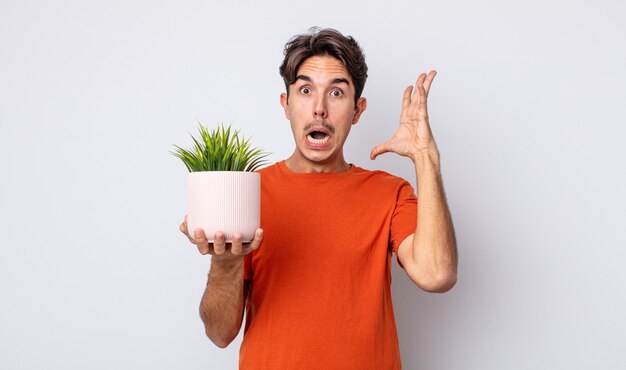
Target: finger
{"x": 406, "y": 98}
{"x": 254, "y": 244}
{"x": 423, "y": 108}
{"x": 237, "y": 247}
{"x": 378, "y": 150}
{"x": 200, "y": 241}
{"x": 429, "y": 80}
{"x": 420, "y": 80}
{"x": 199, "y": 236}
{"x": 219, "y": 243}
{"x": 183, "y": 227}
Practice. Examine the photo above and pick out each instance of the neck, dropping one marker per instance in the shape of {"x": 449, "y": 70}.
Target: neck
{"x": 302, "y": 165}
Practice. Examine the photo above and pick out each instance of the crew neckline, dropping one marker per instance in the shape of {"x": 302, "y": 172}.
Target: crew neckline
{"x": 282, "y": 166}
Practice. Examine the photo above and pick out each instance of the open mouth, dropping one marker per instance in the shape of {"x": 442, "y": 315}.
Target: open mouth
{"x": 318, "y": 137}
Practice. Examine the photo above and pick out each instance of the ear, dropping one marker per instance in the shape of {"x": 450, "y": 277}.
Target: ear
{"x": 361, "y": 105}
{"x": 284, "y": 102}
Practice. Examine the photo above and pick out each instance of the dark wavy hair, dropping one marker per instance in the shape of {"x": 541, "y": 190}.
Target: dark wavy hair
{"x": 325, "y": 42}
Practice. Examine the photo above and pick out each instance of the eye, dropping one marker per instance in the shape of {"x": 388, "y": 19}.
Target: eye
{"x": 336, "y": 93}
{"x": 305, "y": 90}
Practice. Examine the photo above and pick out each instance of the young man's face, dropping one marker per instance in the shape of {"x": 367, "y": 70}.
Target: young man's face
{"x": 321, "y": 110}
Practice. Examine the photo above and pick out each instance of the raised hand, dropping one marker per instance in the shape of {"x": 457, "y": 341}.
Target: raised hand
{"x": 219, "y": 248}
{"x": 413, "y": 137}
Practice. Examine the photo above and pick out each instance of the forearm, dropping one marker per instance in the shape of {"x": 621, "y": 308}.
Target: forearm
{"x": 434, "y": 253}
{"x": 222, "y": 305}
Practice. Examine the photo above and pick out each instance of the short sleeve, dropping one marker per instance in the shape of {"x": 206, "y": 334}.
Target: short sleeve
{"x": 404, "y": 217}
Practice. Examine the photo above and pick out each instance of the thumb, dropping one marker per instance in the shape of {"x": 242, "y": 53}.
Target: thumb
{"x": 379, "y": 149}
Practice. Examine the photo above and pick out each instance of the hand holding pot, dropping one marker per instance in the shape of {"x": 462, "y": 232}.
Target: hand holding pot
{"x": 219, "y": 247}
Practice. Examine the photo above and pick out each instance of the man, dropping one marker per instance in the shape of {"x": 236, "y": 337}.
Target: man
{"x": 315, "y": 281}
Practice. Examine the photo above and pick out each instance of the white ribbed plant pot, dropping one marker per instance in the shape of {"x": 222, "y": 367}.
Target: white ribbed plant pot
{"x": 227, "y": 201}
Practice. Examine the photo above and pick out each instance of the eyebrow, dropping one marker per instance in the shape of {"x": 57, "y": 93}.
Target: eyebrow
{"x": 337, "y": 80}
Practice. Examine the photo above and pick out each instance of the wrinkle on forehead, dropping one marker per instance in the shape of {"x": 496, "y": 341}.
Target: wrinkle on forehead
{"x": 324, "y": 65}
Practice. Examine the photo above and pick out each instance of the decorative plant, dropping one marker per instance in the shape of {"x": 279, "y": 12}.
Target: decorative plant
{"x": 221, "y": 149}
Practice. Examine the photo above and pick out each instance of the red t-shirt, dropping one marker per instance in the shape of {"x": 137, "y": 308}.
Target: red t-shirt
{"x": 321, "y": 294}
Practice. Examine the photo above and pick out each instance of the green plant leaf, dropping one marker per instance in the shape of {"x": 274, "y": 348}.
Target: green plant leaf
{"x": 220, "y": 149}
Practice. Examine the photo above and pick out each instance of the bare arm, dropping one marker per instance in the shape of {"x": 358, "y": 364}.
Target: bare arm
{"x": 224, "y": 299}
{"x": 429, "y": 256}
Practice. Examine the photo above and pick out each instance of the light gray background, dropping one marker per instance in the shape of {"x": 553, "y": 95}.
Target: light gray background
{"x": 527, "y": 110}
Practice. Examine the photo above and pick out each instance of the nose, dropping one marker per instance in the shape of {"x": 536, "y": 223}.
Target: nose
{"x": 319, "y": 110}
